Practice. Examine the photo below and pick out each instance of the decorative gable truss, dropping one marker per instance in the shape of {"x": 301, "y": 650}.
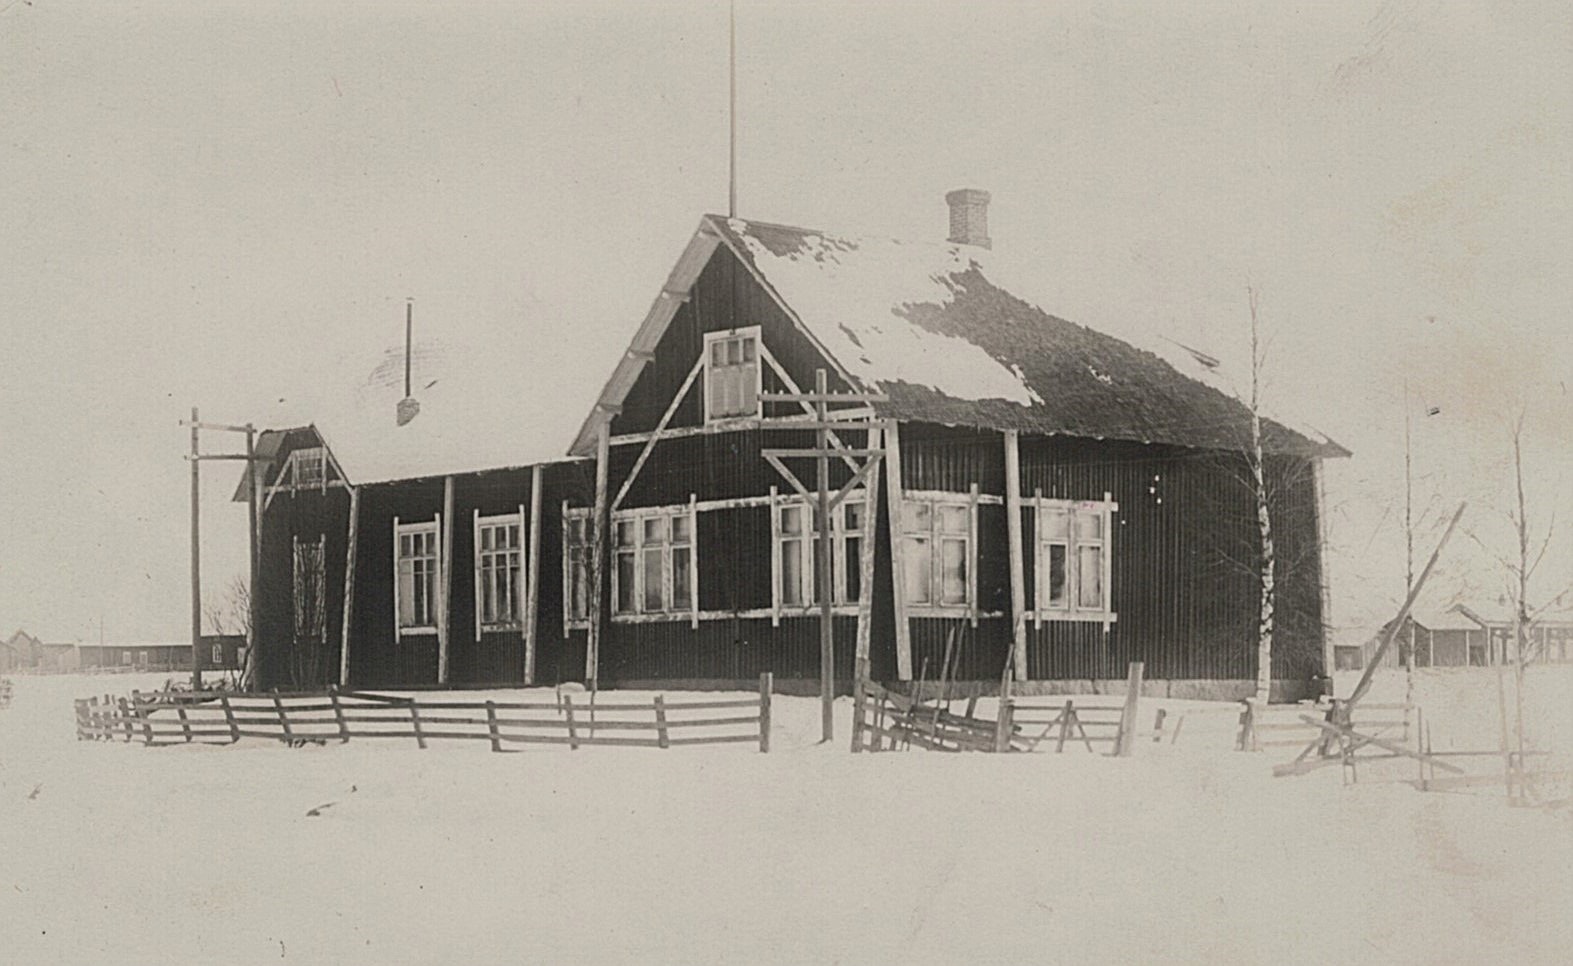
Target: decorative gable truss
{"x": 307, "y": 469}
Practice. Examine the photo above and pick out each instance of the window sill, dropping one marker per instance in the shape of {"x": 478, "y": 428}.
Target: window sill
{"x": 950, "y": 611}
{"x": 1073, "y": 617}
{"x": 416, "y": 631}
{"x": 501, "y": 628}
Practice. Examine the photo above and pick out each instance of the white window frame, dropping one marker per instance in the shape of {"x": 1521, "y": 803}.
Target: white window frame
{"x": 516, "y": 549}
{"x": 1073, "y": 609}
{"x": 434, "y": 528}
{"x": 670, "y": 608}
{"x": 218, "y": 655}
{"x": 936, "y": 605}
{"x": 808, "y": 574}
{"x": 754, "y": 333}
{"x": 586, "y": 548}
{"x": 125, "y": 658}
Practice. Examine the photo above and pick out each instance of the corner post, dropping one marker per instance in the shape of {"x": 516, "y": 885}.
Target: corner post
{"x": 445, "y": 619}
{"x": 893, "y": 494}
{"x": 532, "y": 592}
{"x": 599, "y": 532}
{"x": 1018, "y": 597}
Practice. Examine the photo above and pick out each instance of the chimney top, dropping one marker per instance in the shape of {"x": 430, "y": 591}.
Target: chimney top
{"x": 969, "y": 217}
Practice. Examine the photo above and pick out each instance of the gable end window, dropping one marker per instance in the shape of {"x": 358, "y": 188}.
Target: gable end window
{"x": 1073, "y": 561}
{"x": 416, "y": 566}
{"x": 732, "y": 374}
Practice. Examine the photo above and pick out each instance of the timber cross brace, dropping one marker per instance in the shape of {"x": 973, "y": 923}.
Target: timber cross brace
{"x": 827, "y": 446}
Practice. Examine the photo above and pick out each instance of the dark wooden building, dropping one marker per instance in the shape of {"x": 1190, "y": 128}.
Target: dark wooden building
{"x": 1052, "y": 499}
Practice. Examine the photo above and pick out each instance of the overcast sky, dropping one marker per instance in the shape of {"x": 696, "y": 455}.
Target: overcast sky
{"x": 226, "y": 204}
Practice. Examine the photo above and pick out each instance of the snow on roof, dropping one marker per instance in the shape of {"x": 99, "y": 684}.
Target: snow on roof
{"x": 476, "y": 412}
{"x": 957, "y": 334}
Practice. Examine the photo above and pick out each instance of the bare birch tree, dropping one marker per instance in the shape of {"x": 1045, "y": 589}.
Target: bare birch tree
{"x": 1264, "y": 632}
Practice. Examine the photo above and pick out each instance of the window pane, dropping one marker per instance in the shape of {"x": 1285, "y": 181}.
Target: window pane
{"x": 652, "y": 580}
{"x": 747, "y": 392}
{"x": 734, "y": 352}
{"x": 682, "y": 575}
{"x": 792, "y": 520}
{"x": 953, "y": 519}
{"x": 625, "y": 583}
{"x": 1089, "y": 524}
{"x": 718, "y": 353}
{"x": 853, "y": 517}
{"x": 680, "y": 528}
{"x": 1056, "y": 589}
{"x": 406, "y": 597}
{"x": 749, "y": 349}
{"x": 625, "y": 533}
{"x": 1089, "y": 577}
{"x": 917, "y": 517}
{"x": 655, "y": 530}
{"x": 953, "y": 570}
{"x": 916, "y": 566}
{"x": 1056, "y": 524}
{"x": 792, "y": 572}
{"x": 854, "y": 555}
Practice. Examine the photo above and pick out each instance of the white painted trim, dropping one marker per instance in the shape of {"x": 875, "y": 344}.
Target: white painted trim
{"x": 666, "y": 417}
{"x": 775, "y": 559}
{"x": 852, "y": 417}
{"x": 532, "y": 600}
{"x": 571, "y": 623}
{"x": 753, "y": 332}
{"x": 433, "y": 526}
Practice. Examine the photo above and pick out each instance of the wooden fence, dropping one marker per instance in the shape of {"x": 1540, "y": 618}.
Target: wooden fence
{"x": 1285, "y": 725}
{"x": 884, "y": 720}
{"x": 218, "y": 717}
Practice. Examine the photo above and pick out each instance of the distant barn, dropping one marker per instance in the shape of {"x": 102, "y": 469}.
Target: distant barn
{"x": 422, "y": 541}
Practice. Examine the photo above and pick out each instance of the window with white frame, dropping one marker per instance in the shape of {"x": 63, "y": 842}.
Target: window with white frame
{"x": 937, "y": 553}
{"x": 218, "y": 654}
{"x": 1073, "y": 563}
{"x": 498, "y": 557}
{"x": 309, "y": 467}
{"x": 797, "y": 583}
{"x": 417, "y": 560}
{"x": 732, "y": 374}
{"x": 125, "y": 657}
{"x": 142, "y": 658}
{"x": 576, "y": 567}
{"x": 653, "y": 562}
{"x": 310, "y": 585}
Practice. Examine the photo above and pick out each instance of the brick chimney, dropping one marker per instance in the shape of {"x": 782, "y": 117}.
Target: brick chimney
{"x": 969, "y": 217}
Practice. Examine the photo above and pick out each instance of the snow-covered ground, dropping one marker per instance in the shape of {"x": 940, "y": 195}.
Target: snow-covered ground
{"x": 1185, "y": 853}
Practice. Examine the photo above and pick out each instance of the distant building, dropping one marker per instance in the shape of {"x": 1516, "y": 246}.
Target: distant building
{"x": 1462, "y": 636}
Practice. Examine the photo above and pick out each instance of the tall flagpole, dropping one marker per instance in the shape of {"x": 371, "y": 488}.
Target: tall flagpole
{"x": 731, "y": 208}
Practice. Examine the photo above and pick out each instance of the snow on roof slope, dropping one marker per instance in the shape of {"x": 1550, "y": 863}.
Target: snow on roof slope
{"x": 957, "y": 334}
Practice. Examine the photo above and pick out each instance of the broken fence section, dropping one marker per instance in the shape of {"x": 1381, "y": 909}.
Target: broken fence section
{"x": 886, "y": 720}
{"x": 183, "y": 717}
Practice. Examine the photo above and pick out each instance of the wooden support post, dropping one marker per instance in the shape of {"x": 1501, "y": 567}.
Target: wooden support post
{"x": 859, "y": 704}
{"x": 185, "y": 722}
{"x": 532, "y": 592}
{"x": 253, "y": 536}
{"x": 893, "y": 492}
{"x": 661, "y": 739}
{"x": 1247, "y": 739}
{"x": 866, "y": 549}
{"x": 822, "y": 575}
{"x": 1126, "y": 739}
{"x": 278, "y": 707}
{"x": 139, "y": 708}
{"x": 491, "y": 726}
{"x": 573, "y": 731}
{"x": 766, "y": 685}
{"x": 196, "y": 562}
{"x": 349, "y": 587}
{"x": 598, "y": 530}
{"x": 1018, "y": 604}
{"x": 415, "y": 724}
{"x": 445, "y": 574}
{"x": 338, "y": 715}
{"x": 1067, "y": 718}
{"x": 229, "y": 719}
{"x": 1005, "y": 726}
{"x": 1157, "y": 726}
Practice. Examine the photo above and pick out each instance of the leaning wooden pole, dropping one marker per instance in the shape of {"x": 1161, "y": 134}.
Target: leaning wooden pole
{"x": 196, "y": 561}
{"x": 1403, "y": 613}
{"x": 353, "y": 538}
{"x": 599, "y": 535}
{"x": 1018, "y": 603}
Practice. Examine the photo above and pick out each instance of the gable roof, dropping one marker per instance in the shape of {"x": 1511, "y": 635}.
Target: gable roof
{"x": 953, "y": 335}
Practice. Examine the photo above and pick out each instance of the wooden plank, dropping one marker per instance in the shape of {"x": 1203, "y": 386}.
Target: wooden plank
{"x": 349, "y": 586}
{"x": 896, "y": 500}
{"x": 598, "y": 531}
{"x": 1126, "y": 739}
{"x": 491, "y": 725}
{"x": 1018, "y": 607}
{"x": 532, "y": 593}
{"x": 766, "y": 685}
{"x": 445, "y": 574}
{"x": 573, "y": 732}
{"x": 660, "y": 723}
{"x": 415, "y": 725}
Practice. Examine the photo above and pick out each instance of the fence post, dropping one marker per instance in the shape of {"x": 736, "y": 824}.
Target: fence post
{"x": 81, "y": 713}
{"x": 766, "y": 685}
{"x": 278, "y": 706}
{"x": 660, "y": 722}
{"x": 1247, "y": 740}
{"x": 1006, "y": 725}
{"x": 1126, "y": 738}
{"x": 573, "y": 733}
{"x": 1157, "y": 726}
{"x": 1067, "y": 717}
{"x": 139, "y": 708}
{"x": 491, "y": 725}
{"x": 338, "y": 715}
{"x": 229, "y": 719}
{"x": 185, "y": 722}
{"x": 415, "y": 723}
{"x": 125, "y": 717}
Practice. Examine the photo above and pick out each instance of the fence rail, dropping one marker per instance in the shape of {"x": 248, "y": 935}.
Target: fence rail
{"x": 220, "y": 717}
